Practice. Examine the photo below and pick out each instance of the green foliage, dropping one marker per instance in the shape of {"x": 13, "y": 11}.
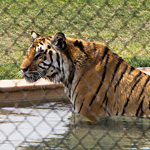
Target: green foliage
{"x": 122, "y": 25}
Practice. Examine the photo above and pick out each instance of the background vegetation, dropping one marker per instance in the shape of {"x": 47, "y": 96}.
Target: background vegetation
{"x": 123, "y": 25}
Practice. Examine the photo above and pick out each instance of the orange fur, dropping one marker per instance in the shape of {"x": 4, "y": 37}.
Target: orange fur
{"x": 97, "y": 81}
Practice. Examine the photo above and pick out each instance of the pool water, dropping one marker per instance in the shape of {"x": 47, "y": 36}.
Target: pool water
{"x": 55, "y": 126}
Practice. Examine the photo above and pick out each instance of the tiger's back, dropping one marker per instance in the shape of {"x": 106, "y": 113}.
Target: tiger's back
{"x": 97, "y": 81}
{"x": 109, "y": 85}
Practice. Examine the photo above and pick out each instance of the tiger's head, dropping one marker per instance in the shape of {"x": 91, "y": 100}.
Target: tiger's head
{"x": 45, "y": 58}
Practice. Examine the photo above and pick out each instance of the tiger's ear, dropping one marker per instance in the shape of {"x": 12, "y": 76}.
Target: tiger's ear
{"x": 60, "y": 41}
{"x": 34, "y": 35}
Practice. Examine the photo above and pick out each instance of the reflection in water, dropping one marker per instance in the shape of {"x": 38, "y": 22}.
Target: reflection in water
{"x": 119, "y": 133}
{"x": 128, "y": 133}
{"x": 48, "y": 127}
{"x": 30, "y": 126}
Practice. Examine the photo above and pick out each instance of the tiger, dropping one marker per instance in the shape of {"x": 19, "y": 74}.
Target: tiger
{"x": 97, "y": 81}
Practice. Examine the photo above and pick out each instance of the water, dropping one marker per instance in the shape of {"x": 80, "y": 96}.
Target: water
{"x": 54, "y": 126}
{"x": 20, "y": 127}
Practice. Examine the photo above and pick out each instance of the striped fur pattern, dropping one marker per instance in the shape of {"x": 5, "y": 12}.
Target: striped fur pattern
{"x": 97, "y": 81}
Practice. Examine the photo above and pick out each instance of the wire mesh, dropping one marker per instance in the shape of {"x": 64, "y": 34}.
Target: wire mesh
{"x": 122, "y": 25}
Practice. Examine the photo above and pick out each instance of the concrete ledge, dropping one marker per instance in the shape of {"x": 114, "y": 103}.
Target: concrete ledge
{"x": 19, "y": 93}
{"x": 145, "y": 70}
{"x": 21, "y": 84}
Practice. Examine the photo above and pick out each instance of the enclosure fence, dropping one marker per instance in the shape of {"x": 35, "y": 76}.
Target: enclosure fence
{"x": 50, "y": 122}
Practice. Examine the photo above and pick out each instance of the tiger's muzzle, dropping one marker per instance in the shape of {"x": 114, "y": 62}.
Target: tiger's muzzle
{"x": 30, "y": 76}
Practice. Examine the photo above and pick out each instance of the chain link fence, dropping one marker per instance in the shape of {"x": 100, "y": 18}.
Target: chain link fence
{"x": 122, "y": 25}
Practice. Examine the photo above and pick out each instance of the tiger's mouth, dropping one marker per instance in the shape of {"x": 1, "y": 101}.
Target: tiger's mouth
{"x": 36, "y": 75}
{"x": 31, "y": 77}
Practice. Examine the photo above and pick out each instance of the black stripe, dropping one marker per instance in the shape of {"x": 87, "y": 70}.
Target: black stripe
{"x": 142, "y": 111}
{"x": 41, "y": 67}
{"x": 63, "y": 68}
{"x": 117, "y": 112}
{"x": 58, "y": 59}
{"x": 124, "y": 107}
{"x": 81, "y": 106}
{"x": 49, "y": 39}
{"x": 49, "y": 47}
{"x": 131, "y": 69}
{"x": 72, "y": 72}
{"x": 147, "y": 80}
{"x": 116, "y": 55}
{"x": 37, "y": 56}
{"x": 75, "y": 100}
{"x": 71, "y": 77}
{"x": 50, "y": 54}
{"x": 117, "y": 66}
{"x": 104, "y": 99}
{"x": 45, "y": 64}
{"x": 135, "y": 85}
{"x": 105, "y": 53}
{"x": 45, "y": 51}
{"x": 94, "y": 46}
{"x": 105, "y": 105}
{"x": 137, "y": 75}
{"x": 128, "y": 99}
{"x": 50, "y": 65}
{"x": 58, "y": 69}
{"x": 45, "y": 58}
{"x": 140, "y": 108}
{"x": 80, "y": 45}
{"x": 76, "y": 86}
{"x": 101, "y": 83}
{"x": 43, "y": 39}
{"x": 125, "y": 69}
